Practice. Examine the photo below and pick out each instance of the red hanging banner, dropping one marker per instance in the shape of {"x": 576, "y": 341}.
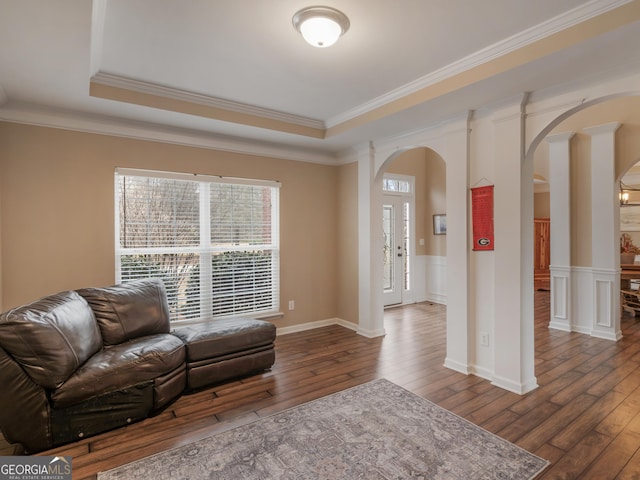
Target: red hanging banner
{"x": 482, "y": 210}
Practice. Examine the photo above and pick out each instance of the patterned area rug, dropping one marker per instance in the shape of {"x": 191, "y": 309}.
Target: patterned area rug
{"x": 373, "y": 431}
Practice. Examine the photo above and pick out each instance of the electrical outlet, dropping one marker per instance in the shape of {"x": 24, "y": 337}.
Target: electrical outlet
{"x": 292, "y": 305}
{"x": 484, "y": 339}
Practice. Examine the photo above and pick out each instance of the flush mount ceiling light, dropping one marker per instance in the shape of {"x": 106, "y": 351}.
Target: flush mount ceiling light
{"x": 321, "y": 26}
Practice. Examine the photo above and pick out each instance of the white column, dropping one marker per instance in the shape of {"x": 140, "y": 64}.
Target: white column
{"x": 560, "y": 207}
{"x": 370, "y": 308}
{"x": 457, "y": 182}
{"x": 513, "y": 220}
{"x": 605, "y": 233}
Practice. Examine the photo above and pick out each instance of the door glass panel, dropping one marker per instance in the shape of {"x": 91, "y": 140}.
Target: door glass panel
{"x": 406, "y": 235}
{"x": 387, "y": 227}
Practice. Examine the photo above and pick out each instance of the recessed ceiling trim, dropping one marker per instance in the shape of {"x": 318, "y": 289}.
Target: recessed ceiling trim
{"x": 586, "y": 21}
{"x": 515, "y": 42}
{"x": 593, "y": 26}
{"x": 73, "y": 121}
{"x": 115, "y": 87}
{"x": 98, "y": 15}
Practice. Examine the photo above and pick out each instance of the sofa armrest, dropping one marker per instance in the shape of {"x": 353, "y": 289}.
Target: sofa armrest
{"x": 24, "y": 407}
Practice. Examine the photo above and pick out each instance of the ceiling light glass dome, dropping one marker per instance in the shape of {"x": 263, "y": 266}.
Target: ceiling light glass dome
{"x": 321, "y": 26}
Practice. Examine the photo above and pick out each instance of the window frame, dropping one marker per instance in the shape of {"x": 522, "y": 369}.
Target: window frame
{"x": 205, "y": 250}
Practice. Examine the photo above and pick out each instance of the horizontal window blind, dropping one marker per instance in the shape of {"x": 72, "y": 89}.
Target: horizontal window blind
{"x": 242, "y": 281}
{"x": 180, "y": 274}
{"x": 213, "y": 241}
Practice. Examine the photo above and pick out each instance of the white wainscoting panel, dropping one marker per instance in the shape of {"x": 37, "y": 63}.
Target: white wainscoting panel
{"x": 595, "y": 302}
{"x": 606, "y": 299}
{"x": 560, "y": 298}
{"x": 602, "y": 298}
{"x": 419, "y": 278}
{"x": 436, "y": 279}
{"x": 582, "y": 303}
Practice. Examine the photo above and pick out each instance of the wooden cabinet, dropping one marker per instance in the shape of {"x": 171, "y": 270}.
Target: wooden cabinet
{"x": 542, "y": 253}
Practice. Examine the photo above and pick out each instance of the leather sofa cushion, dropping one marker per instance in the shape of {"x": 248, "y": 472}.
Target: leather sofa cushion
{"x": 129, "y": 310}
{"x": 24, "y": 407}
{"x": 51, "y": 337}
{"x": 222, "y": 337}
{"x": 121, "y": 366}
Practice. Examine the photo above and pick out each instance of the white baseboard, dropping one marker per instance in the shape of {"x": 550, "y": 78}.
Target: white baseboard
{"x": 435, "y": 298}
{"x": 456, "y": 366}
{"x": 481, "y": 372}
{"x": 515, "y": 387}
{"x": 318, "y": 324}
{"x": 562, "y": 326}
{"x": 372, "y": 333}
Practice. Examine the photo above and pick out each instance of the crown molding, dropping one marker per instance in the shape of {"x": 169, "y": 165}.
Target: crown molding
{"x": 98, "y": 16}
{"x": 117, "y": 81}
{"x": 526, "y": 37}
{"x": 73, "y": 121}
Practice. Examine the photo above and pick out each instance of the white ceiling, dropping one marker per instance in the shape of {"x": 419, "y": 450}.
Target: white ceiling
{"x": 245, "y": 55}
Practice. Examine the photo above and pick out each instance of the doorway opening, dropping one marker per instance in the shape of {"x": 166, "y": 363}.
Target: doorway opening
{"x": 397, "y": 257}
{"x": 398, "y": 218}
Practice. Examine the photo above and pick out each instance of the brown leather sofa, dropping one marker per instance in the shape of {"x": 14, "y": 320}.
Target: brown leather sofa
{"x": 83, "y": 362}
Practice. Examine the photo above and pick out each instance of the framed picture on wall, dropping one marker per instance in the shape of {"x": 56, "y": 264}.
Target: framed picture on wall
{"x": 440, "y": 224}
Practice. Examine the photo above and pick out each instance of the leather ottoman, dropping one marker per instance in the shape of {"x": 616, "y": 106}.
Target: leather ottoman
{"x": 222, "y": 349}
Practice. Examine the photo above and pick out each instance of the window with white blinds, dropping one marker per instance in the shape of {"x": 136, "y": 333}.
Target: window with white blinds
{"x": 213, "y": 241}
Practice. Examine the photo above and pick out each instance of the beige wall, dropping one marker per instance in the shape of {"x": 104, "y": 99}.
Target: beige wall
{"x": 541, "y": 205}
{"x": 57, "y": 216}
{"x": 626, "y": 111}
{"x": 436, "y": 195}
{"x": 429, "y": 171}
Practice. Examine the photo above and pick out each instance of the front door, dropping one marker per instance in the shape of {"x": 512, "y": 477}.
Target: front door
{"x": 395, "y": 222}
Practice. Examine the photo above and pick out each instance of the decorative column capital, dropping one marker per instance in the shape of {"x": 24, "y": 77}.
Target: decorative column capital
{"x": 600, "y": 129}
{"x": 559, "y": 137}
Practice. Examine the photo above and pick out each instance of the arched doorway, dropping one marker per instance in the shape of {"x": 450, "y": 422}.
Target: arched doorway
{"x": 588, "y": 149}
{"x": 450, "y": 145}
{"x": 414, "y": 196}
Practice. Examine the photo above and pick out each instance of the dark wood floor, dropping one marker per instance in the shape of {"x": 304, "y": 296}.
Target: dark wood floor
{"x": 584, "y": 418}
